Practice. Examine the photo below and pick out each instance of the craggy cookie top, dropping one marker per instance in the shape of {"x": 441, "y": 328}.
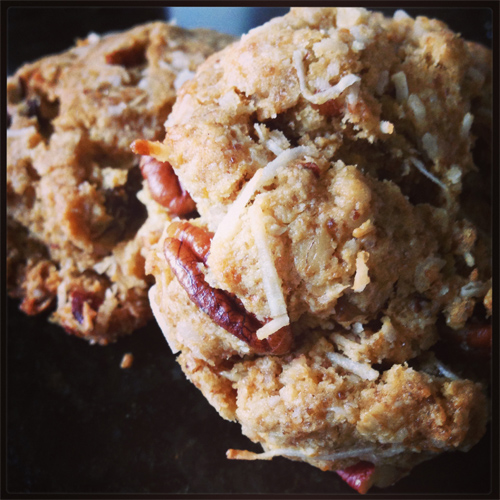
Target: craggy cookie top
{"x": 337, "y": 159}
{"x": 337, "y": 141}
{"x": 74, "y": 219}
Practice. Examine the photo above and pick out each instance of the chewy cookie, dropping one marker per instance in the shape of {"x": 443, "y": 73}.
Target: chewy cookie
{"x": 77, "y": 232}
{"x": 334, "y": 295}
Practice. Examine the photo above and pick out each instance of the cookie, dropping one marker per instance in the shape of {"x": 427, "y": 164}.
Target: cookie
{"x": 334, "y": 295}
{"x": 77, "y": 228}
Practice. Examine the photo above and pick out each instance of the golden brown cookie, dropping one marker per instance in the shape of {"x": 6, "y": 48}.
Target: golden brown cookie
{"x": 77, "y": 232}
{"x": 328, "y": 153}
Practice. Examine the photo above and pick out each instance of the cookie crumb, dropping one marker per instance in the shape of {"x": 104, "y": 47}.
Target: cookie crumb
{"x": 127, "y": 360}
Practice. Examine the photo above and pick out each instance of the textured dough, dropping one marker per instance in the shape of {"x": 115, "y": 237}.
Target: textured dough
{"x": 351, "y": 138}
{"x": 77, "y": 234}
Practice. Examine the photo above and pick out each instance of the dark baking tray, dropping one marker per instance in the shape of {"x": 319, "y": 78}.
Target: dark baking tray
{"x": 77, "y": 423}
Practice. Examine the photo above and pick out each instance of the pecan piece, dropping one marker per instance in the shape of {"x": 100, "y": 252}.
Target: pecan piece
{"x": 313, "y": 167}
{"x": 479, "y": 337}
{"x": 331, "y": 108}
{"x": 162, "y": 181}
{"x": 183, "y": 252}
{"x": 135, "y": 55}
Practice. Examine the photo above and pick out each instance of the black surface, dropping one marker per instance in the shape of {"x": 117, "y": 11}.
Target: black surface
{"x": 78, "y": 423}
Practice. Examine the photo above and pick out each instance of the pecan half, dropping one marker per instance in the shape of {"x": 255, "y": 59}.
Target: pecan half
{"x": 183, "y": 252}
{"x": 163, "y": 183}
{"x": 479, "y": 337}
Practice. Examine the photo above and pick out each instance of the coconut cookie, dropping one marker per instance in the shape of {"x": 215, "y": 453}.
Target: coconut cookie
{"x": 333, "y": 155}
{"x": 77, "y": 232}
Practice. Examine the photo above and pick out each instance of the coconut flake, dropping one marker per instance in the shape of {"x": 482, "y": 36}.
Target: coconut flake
{"x": 20, "y": 131}
{"x": 93, "y": 38}
{"x": 268, "y": 455}
{"x": 473, "y": 289}
{"x": 184, "y": 76}
{"x": 321, "y": 97}
{"x": 418, "y": 108}
{"x": 362, "y": 370}
{"x": 420, "y": 166}
{"x": 445, "y": 370}
{"x": 349, "y": 16}
{"x": 358, "y": 328}
{"x": 273, "y": 140}
{"x": 270, "y": 278}
{"x": 117, "y": 109}
{"x": 386, "y": 127}
{"x": 429, "y": 143}
{"x": 401, "y": 84}
{"x": 400, "y": 15}
{"x": 272, "y": 327}
{"x": 231, "y": 221}
{"x": 467, "y": 124}
{"x": 454, "y": 174}
{"x": 361, "y": 278}
{"x": 469, "y": 259}
{"x": 367, "y": 451}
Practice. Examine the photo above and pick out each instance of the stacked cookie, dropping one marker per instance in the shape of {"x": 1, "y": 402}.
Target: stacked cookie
{"x": 80, "y": 217}
{"x": 341, "y": 251}
{"x": 315, "y": 223}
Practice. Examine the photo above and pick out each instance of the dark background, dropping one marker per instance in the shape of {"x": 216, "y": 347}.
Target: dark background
{"x": 77, "y": 423}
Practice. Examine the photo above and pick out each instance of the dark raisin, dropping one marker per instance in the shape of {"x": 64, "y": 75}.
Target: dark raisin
{"x": 78, "y": 299}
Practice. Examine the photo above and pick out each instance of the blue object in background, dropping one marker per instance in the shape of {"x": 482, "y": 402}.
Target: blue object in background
{"x": 231, "y": 20}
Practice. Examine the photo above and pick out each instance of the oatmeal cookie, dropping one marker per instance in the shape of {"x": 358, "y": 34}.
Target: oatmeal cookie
{"x": 77, "y": 232}
{"x": 329, "y": 153}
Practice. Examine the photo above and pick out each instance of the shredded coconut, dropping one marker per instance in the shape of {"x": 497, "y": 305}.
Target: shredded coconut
{"x": 360, "y": 369}
{"x": 21, "y": 131}
{"x": 270, "y": 277}
{"x": 272, "y": 327}
{"x": 230, "y": 223}
{"x": 369, "y": 451}
{"x": 399, "y": 80}
{"x": 321, "y": 97}
{"x": 400, "y": 14}
{"x": 454, "y": 174}
{"x": 349, "y": 16}
{"x": 467, "y": 124}
{"x": 469, "y": 259}
{"x": 117, "y": 109}
{"x": 473, "y": 289}
{"x": 357, "y": 328}
{"x": 93, "y": 38}
{"x": 445, "y": 370}
{"x": 418, "y": 108}
{"x": 420, "y": 166}
{"x": 386, "y": 127}
{"x": 268, "y": 455}
{"x": 184, "y": 76}
{"x": 430, "y": 145}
